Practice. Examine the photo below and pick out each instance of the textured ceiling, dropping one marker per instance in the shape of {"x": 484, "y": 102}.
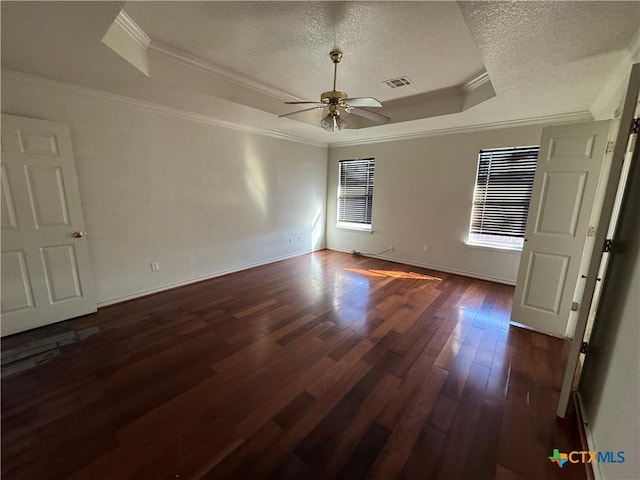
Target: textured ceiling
{"x": 286, "y": 45}
{"x": 545, "y": 60}
{"x": 536, "y": 44}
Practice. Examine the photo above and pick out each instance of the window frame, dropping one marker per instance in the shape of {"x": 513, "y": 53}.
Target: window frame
{"x": 499, "y": 190}
{"x": 367, "y": 164}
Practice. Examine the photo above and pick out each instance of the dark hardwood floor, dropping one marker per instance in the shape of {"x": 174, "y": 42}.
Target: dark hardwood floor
{"x": 323, "y": 366}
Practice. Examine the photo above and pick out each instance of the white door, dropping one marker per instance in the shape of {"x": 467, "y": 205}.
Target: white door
{"x": 569, "y": 165}
{"x": 46, "y": 275}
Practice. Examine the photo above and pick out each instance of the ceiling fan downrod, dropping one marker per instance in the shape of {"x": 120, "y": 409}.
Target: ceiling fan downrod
{"x": 335, "y": 56}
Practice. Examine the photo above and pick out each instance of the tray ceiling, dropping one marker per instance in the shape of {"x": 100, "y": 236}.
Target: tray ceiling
{"x": 471, "y": 63}
{"x": 285, "y": 45}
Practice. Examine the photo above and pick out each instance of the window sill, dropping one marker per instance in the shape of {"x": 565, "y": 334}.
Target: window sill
{"x": 354, "y": 229}
{"x": 494, "y": 248}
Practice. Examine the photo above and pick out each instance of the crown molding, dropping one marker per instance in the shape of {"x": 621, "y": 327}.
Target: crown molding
{"x": 211, "y": 68}
{"x": 128, "y": 41}
{"x": 574, "y": 117}
{"x": 127, "y": 24}
{"x": 609, "y": 100}
{"x": 476, "y": 82}
{"x": 157, "y": 108}
{"x": 133, "y": 30}
{"x": 634, "y": 48}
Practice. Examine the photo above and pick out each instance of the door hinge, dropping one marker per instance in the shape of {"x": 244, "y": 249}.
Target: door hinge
{"x": 635, "y": 125}
{"x": 592, "y": 231}
{"x": 610, "y": 146}
{"x": 583, "y": 347}
{"x": 575, "y": 306}
{"x": 608, "y": 244}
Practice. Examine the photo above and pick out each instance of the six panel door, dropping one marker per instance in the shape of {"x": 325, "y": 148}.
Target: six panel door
{"x": 46, "y": 275}
{"x": 567, "y": 175}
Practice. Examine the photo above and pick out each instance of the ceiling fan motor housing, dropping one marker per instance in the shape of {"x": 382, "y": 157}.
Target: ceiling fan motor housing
{"x": 333, "y": 97}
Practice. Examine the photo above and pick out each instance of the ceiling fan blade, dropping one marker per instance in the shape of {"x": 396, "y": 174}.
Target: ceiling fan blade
{"x": 376, "y": 117}
{"x": 300, "y": 111}
{"x": 304, "y": 103}
{"x": 362, "y": 102}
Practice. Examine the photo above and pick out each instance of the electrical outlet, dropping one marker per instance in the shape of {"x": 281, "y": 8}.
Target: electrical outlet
{"x": 426, "y": 248}
{"x": 299, "y": 238}
{"x": 390, "y": 248}
{"x": 290, "y": 240}
{"x": 155, "y": 266}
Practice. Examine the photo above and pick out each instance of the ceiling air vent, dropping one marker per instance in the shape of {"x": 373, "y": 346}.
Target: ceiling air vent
{"x": 397, "y": 82}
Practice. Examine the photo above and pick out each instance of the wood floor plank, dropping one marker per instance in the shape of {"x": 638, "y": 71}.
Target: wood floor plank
{"x": 256, "y": 308}
{"x": 262, "y": 325}
{"x": 361, "y": 460}
{"x": 322, "y": 366}
{"x": 292, "y": 468}
{"x": 423, "y": 459}
{"x": 462, "y": 365}
{"x": 483, "y": 457}
{"x": 272, "y": 408}
{"x": 294, "y": 410}
{"x": 381, "y": 348}
{"x": 354, "y": 340}
{"x": 326, "y": 381}
{"x": 405, "y": 433}
{"x": 327, "y": 462}
{"x": 238, "y": 463}
{"x": 442, "y": 414}
{"x": 414, "y": 379}
{"x": 315, "y": 414}
{"x": 459, "y": 438}
{"x": 340, "y": 415}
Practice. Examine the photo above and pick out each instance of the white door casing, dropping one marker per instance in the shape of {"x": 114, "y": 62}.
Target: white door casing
{"x": 46, "y": 274}
{"x": 596, "y": 271}
{"x": 567, "y": 175}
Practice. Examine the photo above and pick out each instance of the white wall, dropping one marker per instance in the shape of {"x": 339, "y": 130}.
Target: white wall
{"x": 198, "y": 198}
{"x": 423, "y": 193}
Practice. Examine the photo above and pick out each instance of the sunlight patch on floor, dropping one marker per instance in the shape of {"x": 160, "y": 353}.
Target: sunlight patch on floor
{"x": 392, "y": 273}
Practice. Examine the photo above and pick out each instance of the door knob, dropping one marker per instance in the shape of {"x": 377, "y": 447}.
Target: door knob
{"x": 79, "y": 234}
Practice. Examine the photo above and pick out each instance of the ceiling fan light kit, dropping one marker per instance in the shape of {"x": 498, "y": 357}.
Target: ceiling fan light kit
{"x": 332, "y": 122}
{"x": 335, "y": 102}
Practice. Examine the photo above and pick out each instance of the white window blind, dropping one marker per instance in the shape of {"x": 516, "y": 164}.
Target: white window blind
{"x": 502, "y": 195}
{"x": 355, "y": 193}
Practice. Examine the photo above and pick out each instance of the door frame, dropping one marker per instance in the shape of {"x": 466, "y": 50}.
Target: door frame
{"x": 630, "y": 102}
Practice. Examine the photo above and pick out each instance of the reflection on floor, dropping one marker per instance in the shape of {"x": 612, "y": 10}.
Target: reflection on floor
{"x": 323, "y": 366}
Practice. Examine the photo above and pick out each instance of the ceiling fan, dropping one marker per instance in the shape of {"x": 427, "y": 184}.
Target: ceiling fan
{"x": 336, "y": 102}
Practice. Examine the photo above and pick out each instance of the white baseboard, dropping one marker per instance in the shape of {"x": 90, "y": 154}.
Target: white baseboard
{"x": 247, "y": 266}
{"x": 143, "y": 293}
{"x": 595, "y": 467}
{"x": 439, "y": 268}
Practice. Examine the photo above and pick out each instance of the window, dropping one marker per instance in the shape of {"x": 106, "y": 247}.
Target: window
{"x": 355, "y": 193}
{"x": 502, "y": 195}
